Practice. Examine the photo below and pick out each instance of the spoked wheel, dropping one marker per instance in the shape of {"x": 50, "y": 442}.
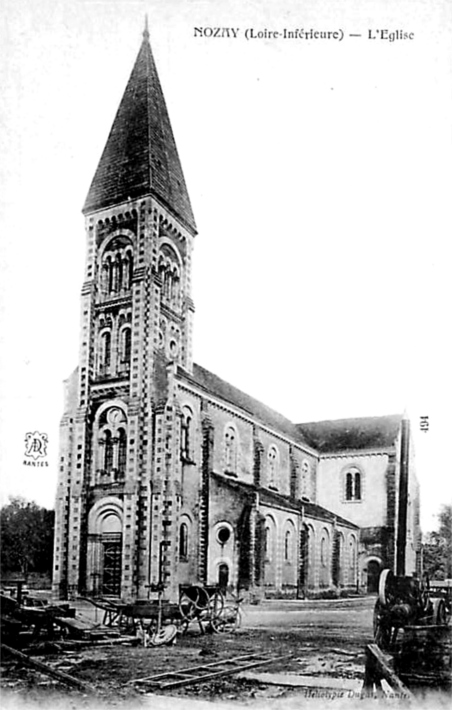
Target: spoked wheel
{"x": 228, "y": 621}
{"x": 193, "y": 603}
{"x": 385, "y": 584}
{"x": 216, "y": 604}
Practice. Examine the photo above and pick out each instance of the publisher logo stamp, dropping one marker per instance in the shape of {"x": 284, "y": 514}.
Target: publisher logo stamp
{"x": 36, "y": 448}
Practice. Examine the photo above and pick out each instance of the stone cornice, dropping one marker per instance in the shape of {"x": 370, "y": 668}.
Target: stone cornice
{"x": 388, "y": 451}
{"x": 110, "y": 303}
{"x": 113, "y": 382}
{"x": 110, "y": 390}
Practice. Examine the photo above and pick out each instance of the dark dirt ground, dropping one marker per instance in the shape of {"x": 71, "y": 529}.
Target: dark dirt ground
{"x": 324, "y": 640}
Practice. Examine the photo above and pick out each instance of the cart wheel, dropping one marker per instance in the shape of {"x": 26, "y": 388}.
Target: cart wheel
{"x": 382, "y": 631}
{"x": 193, "y": 602}
{"x": 384, "y": 585}
{"x": 228, "y": 621}
{"x": 165, "y": 636}
{"x": 216, "y": 603}
{"x": 439, "y": 612}
{"x": 187, "y": 608}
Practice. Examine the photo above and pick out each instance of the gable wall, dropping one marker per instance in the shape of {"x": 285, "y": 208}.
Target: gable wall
{"x": 371, "y": 510}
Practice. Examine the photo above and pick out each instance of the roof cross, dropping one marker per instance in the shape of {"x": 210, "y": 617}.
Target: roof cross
{"x": 146, "y": 27}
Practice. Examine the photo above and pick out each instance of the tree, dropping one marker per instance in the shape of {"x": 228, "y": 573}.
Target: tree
{"x": 438, "y": 547}
{"x": 26, "y": 537}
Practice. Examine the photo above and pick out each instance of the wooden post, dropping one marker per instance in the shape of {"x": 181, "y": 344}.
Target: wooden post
{"x": 403, "y": 496}
{"x": 377, "y": 668}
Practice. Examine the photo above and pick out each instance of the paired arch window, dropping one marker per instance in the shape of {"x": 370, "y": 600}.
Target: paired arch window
{"x": 115, "y": 453}
{"x": 230, "y": 446}
{"x": 353, "y": 484}
{"x": 169, "y": 271}
{"x": 117, "y": 267}
{"x": 114, "y": 344}
{"x": 112, "y": 439}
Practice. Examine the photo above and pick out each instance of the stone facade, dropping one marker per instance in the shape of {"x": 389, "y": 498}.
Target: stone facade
{"x": 168, "y": 473}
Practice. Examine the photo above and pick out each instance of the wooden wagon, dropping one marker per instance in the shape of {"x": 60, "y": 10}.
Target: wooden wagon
{"x": 204, "y": 605}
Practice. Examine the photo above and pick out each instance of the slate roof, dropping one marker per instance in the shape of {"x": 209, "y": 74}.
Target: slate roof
{"x": 272, "y": 498}
{"x": 311, "y": 509}
{"x": 217, "y": 387}
{"x": 140, "y": 156}
{"x": 325, "y": 436}
{"x": 352, "y": 434}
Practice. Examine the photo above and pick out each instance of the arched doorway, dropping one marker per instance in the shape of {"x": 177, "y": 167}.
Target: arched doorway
{"x": 373, "y": 575}
{"x": 223, "y": 576}
{"x": 104, "y": 549}
{"x": 111, "y": 538}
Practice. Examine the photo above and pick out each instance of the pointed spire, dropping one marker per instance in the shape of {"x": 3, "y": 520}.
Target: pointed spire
{"x": 140, "y": 157}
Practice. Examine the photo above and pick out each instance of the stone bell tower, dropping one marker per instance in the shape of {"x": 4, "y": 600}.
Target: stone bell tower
{"x": 115, "y": 493}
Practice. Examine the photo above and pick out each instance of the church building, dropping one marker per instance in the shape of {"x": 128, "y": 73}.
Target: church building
{"x": 169, "y": 474}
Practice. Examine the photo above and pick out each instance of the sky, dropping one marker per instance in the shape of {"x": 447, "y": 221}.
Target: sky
{"x": 319, "y": 175}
